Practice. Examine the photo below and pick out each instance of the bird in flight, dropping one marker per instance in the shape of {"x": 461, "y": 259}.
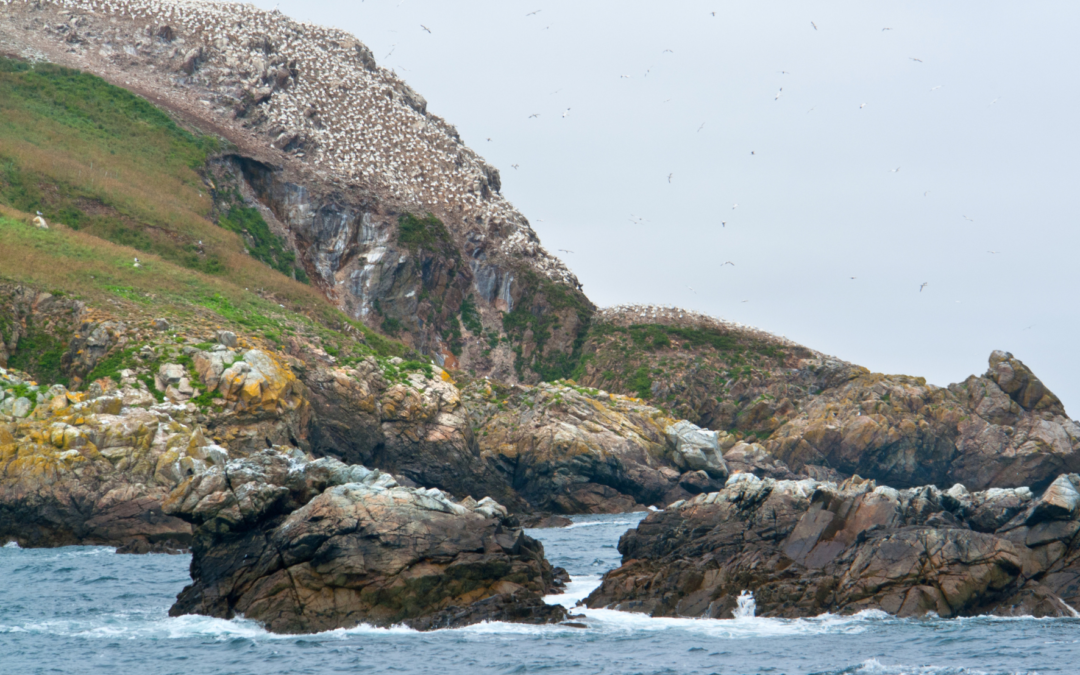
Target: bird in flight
{"x": 926, "y": 193}
{"x": 624, "y": 76}
{"x": 669, "y": 177}
{"x": 692, "y": 290}
{"x": 565, "y": 250}
{"x": 667, "y": 51}
{"x": 713, "y": 13}
{"x": 534, "y": 115}
{"x": 815, "y": 28}
{"x": 861, "y": 106}
{"x": 751, "y": 152}
{"x": 425, "y": 28}
{"x": 915, "y": 59}
{"x": 489, "y": 140}
{"x": 937, "y": 87}
{"x": 728, "y": 263}
{"x": 923, "y": 285}
{"x": 853, "y": 277}
{"x": 566, "y": 113}
{"x": 994, "y": 101}
{"x": 514, "y": 166}
{"x": 536, "y": 12}
{"x": 992, "y": 252}
{"x": 896, "y": 170}
{"x": 882, "y": 30}
{"x": 734, "y": 206}
{"x": 968, "y": 219}
{"x": 701, "y": 127}
{"x": 779, "y": 94}
{"x": 723, "y": 223}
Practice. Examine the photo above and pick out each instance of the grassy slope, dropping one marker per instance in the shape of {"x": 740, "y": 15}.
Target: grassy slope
{"x": 118, "y": 179}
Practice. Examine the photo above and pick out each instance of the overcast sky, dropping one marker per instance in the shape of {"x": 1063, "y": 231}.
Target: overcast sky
{"x": 639, "y": 175}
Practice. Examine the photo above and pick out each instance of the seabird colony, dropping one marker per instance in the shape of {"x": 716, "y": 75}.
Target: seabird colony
{"x": 362, "y": 125}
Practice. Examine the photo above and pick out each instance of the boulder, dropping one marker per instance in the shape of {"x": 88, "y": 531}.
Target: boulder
{"x": 308, "y": 546}
{"x": 696, "y": 449}
{"x": 804, "y": 548}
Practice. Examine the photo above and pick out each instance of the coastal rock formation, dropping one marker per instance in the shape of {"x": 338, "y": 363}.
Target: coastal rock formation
{"x": 306, "y": 546}
{"x": 92, "y": 468}
{"x": 1003, "y": 429}
{"x": 805, "y": 548}
{"x": 569, "y": 449}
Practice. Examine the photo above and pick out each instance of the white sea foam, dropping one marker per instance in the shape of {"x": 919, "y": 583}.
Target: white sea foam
{"x": 600, "y": 523}
{"x": 11, "y": 544}
{"x": 875, "y": 667}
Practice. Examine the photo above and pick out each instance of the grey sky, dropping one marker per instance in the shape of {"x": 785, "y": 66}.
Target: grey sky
{"x": 818, "y": 201}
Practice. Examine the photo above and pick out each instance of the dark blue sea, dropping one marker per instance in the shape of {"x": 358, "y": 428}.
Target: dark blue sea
{"x": 88, "y": 610}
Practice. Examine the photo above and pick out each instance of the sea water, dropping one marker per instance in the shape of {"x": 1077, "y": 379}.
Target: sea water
{"x": 88, "y": 610}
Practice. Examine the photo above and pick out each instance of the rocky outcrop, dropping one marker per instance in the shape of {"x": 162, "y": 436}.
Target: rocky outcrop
{"x": 92, "y": 468}
{"x": 1004, "y": 429}
{"x": 805, "y": 548}
{"x": 569, "y": 449}
{"x": 306, "y": 546}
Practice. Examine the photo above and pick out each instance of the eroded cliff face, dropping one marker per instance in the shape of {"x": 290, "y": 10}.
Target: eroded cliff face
{"x": 343, "y": 160}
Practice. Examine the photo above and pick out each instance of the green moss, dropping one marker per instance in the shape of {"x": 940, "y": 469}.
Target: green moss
{"x": 470, "y": 317}
{"x": 536, "y": 312}
{"x": 261, "y": 243}
{"x": 40, "y": 354}
{"x": 423, "y": 234}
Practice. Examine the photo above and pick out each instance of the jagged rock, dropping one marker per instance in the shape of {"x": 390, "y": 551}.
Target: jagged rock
{"x": 696, "y": 449}
{"x": 903, "y": 432}
{"x": 805, "y": 548}
{"x": 162, "y": 324}
{"x": 311, "y": 546}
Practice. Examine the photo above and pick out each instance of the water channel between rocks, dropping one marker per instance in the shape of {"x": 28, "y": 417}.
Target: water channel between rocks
{"x": 87, "y": 610}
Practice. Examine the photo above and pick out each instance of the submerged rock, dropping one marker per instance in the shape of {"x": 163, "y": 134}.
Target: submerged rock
{"x": 805, "y": 548}
{"x": 306, "y": 546}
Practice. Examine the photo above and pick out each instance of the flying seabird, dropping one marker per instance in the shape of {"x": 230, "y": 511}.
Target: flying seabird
{"x": 514, "y": 166}
{"x": 534, "y": 115}
{"x": 734, "y": 206}
{"x": 669, "y": 177}
{"x": 536, "y": 12}
{"x": 779, "y": 94}
{"x": 861, "y": 106}
{"x": 728, "y": 262}
{"x": 815, "y": 28}
{"x": 915, "y": 59}
{"x": 425, "y": 28}
{"x": 701, "y": 127}
{"x": 896, "y": 170}
{"x": 566, "y": 113}
{"x": 970, "y": 220}
{"x": 565, "y": 250}
{"x": 937, "y": 87}
{"x": 923, "y": 285}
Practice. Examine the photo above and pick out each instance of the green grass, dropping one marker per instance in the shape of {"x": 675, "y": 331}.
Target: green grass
{"x": 537, "y": 311}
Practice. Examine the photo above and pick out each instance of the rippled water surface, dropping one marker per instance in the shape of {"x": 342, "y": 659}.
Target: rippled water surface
{"x": 88, "y": 610}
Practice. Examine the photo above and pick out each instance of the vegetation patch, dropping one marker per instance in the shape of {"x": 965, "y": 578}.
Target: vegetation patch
{"x": 535, "y": 314}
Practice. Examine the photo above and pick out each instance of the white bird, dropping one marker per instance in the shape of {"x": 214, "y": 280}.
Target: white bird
{"x": 534, "y": 115}
{"x": 692, "y": 290}
{"x": 624, "y": 77}
{"x": 734, "y": 206}
{"x": 926, "y": 193}
{"x": 968, "y": 219}
{"x": 885, "y": 29}
{"x": 994, "y": 101}
{"x": 566, "y": 113}
{"x": 565, "y": 250}
{"x": 923, "y": 285}
{"x": 667, "y": 51}
{"x": 815, "y": 28}
{"x": 536, "y": 12}
{"x": 915, "y": 59}
{"x": 779, "y": 94}
{"x": 937, "y": 87}
{"x": 514, "y": 166}
{"x": 425, "y": 28}
{"x": 728, "y": 262}
{"x": 723, "y": 223}
{"x": 861, "y": 106}
{"x": 669, "y": 177}
{"x": 897, "y": 169}
{"x": 701, "y": 127}
{"x": 40, "y": 213}
{"x": 992, "y": 252}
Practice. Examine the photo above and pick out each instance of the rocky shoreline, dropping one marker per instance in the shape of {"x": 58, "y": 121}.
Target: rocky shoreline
{"x": 806, "y": 548}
